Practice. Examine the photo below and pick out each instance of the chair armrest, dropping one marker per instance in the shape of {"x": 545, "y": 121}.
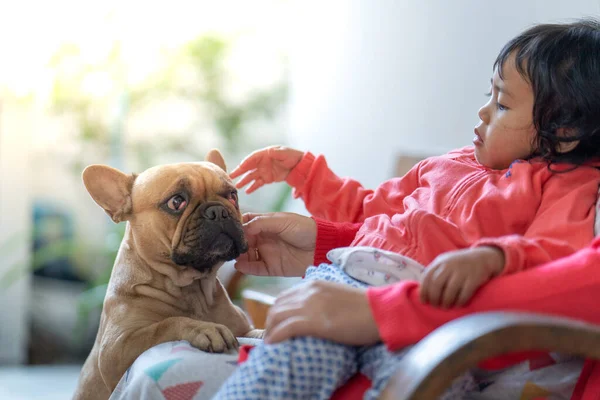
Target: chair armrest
{"x": 257, "y": 306}
{"x": 433, "y": 363}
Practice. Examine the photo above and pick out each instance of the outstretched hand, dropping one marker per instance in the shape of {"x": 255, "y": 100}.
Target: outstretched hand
{"x": 268, "y": 165}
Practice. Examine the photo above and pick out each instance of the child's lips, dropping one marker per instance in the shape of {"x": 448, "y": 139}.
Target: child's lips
{"x": 477, "y": 140}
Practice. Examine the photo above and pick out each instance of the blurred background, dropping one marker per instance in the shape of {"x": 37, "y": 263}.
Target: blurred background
{"x": 373, "y": 85}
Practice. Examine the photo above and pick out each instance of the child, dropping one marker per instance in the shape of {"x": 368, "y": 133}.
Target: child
{"x": 522, "y": 196}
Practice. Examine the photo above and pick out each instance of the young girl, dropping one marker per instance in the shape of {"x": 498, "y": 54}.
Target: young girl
{"x": 522, "y": 196}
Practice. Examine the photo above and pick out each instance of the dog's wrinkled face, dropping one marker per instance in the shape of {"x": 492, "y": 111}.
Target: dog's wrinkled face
{"x": 192, "y": 213}
{"x": 185, "y": 215}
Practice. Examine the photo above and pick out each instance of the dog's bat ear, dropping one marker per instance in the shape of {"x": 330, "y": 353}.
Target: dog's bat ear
{"x": 110, "y": 189}
{"x": 214, "y": 156}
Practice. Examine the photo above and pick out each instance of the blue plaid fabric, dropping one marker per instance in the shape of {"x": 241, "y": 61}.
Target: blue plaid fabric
{"x": 313, "y": 368}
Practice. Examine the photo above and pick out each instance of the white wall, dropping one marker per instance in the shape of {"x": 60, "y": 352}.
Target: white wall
{"x": 371, "y": 79}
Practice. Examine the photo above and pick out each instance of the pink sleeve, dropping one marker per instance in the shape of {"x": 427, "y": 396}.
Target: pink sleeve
{"x": 563, "y": 224}
{"x": 567, "y": 287}
{"x": 336, "y": 199}
{"x": 331, "y": 235}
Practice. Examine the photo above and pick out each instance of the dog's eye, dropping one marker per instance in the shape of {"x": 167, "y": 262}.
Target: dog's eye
{"x": 233, "y": 197}
{"x": 177, "y": 203}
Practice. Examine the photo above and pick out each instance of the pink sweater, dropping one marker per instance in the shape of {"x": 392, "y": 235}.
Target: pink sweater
{"x": 567, "y": 287}
{"x": 453, "y": 202}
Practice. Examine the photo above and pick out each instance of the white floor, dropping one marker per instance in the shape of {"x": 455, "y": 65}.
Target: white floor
{"x": 38, "y": 382}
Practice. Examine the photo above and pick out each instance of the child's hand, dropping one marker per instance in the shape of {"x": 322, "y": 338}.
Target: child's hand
{"x": 453, "y": 277}
{"x": 268, "y": 165}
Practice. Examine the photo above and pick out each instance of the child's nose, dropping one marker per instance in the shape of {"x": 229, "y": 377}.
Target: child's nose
{"x": 484, "y": 113}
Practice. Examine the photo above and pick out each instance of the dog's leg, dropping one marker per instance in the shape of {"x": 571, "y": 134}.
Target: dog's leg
{"x": 90, "y": 385}
{"x": 120, "y": 348}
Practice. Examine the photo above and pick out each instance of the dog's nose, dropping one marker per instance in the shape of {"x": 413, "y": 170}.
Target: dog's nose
{"x": 216, "y": 213}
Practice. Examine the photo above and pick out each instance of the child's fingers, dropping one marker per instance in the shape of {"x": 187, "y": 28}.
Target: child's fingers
{"x": 237, "y": 171}
{"x": 434, "y": 293}
{"x": 434, "y": 290}
{"x": 451, "y": 291}
{"x": 466, "y": 292}
{"x": 257, "y": 184}
{"x": 425, "y": 282}
{"x": 428, "y": 283}
{"x": 247, "y": 164}
{"x": 439, "y": 279}
{"x": 246, "y": 179}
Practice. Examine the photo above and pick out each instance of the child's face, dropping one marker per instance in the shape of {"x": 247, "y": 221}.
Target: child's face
{"x": 506, "y": 130}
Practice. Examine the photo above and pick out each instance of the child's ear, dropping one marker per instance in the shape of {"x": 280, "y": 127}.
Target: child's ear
{"x": 110, "y": 189}
{"x": 565, "y": 147}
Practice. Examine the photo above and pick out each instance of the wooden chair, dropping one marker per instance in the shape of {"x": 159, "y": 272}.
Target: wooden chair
{"x": 431, "y": 365}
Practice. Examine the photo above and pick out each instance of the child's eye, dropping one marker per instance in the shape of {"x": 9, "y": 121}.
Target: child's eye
{"x": 501, "y": 107}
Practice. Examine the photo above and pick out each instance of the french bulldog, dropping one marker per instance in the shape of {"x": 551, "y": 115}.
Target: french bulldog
{"x": 183, "y": 223}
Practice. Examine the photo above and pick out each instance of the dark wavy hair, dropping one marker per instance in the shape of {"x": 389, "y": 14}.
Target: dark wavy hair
{"x": 561, "y": 62}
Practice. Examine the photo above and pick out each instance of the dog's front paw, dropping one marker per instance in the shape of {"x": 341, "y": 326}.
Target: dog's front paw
{"x": 213, "y": 338}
